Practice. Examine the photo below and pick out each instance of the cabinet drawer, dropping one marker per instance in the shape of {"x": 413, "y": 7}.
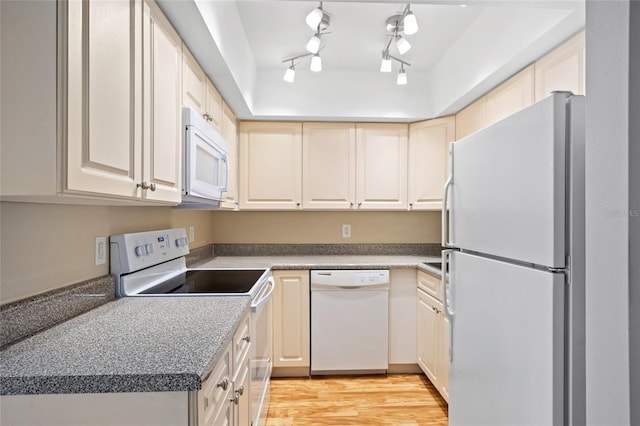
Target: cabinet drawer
{"x": 430, "y": 284}
{"x": 241, "y": 342}
{"x": 216, "y": 390}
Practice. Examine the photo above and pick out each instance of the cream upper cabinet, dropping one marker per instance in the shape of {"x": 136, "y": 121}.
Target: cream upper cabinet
{"x": 291, "y": 335}
{"x": 162, "y": 147}
{"x": 328, "y": 165}
{"x": 104, "y": 97}
{"x": 117, "y": 140}
{"x": 230, "y": 134}
{"x": 270, "y": 166}
{"x": 194, "y": 83}
{"x": 472, "y": 118}
{"x": 511, "y": 96}
{"x": 198, "y": 92}
{"x": 428, "y": 161}
{"x": 381, "y": 166}
{"x": 213, "y": 107}
{"x": 562, "y": 69}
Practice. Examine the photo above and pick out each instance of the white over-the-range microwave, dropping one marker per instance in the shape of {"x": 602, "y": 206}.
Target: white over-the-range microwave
{"x": 205, "y": 172}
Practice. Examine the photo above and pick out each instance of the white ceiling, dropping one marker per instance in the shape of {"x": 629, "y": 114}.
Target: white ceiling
{"x": 458, "y": 54}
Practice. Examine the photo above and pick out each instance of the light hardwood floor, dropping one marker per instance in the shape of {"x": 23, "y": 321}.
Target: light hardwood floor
{"x": 399, "y": 400}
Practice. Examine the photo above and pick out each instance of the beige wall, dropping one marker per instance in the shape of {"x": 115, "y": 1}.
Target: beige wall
{"x": 326, "y": 227}
{"x": 44, "y": 246}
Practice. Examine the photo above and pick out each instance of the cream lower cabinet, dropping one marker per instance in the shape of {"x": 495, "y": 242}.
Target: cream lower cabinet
{"x": 402, "y": 321}
{"x": 270, "y": 166}
{"x": 381, "y": 166}
{"x": 291, "y": 332}
{"x": 428, "y": 161}
{"x": 432, "y": 338}
{"x": 117, "y": 135}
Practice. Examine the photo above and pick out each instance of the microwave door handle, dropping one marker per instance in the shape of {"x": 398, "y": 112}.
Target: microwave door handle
{"x": 224, "y": 159}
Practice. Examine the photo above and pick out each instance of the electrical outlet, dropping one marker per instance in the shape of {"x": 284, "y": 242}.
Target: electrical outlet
{"x": 101, "y": 250}
{"x": 346, "y": 231}
{"x": 192, "y": 233}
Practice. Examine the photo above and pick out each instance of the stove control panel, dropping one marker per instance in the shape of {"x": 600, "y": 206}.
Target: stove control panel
{"x": 132, "y": 252}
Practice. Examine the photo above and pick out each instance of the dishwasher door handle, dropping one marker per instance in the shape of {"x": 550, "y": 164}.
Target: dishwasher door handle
{"x": 338, "y": 287}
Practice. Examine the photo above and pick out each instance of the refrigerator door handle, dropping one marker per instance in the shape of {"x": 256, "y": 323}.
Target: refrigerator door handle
{"x": 445, "y": 301}
{"x": 445, "y": 198}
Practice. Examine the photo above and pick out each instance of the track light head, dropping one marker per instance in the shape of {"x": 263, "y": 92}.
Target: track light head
{"x": 410, "y": 23}
{"x": 316, "y": 63}
{"x": 402, "y": 44}
{"x": 314, "y": 17}
{"x": 385, "y": 65}
{"x": 290, "y": 74}
{"x": 313, "y": 45}
{"x": 402, "y": 76}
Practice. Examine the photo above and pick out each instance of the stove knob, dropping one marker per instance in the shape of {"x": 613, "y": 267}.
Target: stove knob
{"x": 179, "y": 242}
{"x": 149, "y": 248}
{"x": 185, "y": 242}
{"x": 140, "y": 251}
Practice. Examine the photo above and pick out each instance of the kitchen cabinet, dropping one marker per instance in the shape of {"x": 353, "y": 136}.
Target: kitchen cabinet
{"x": 270, "y": 165}
{"x": 199, "y": 93}
{"x": 402, "y": 321}
{"x": 381, "y": 166}
{"x": 562, "y": 69}
{"x": 472, "y": 118}
{"x": 428, "y": 161}
{"x": 291, "y": 314}
{"x": 162, "y": 64}
{"x": 328, "y": 165}
{"x": 216, "y": 393}
{"x": 109, "y": 136}
{"x": 230, "y": 134}
{"x": 511, "y": 96}
{"x": 432, "y": 336}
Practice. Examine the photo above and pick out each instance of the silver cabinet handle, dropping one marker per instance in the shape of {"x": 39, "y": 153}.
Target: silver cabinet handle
{"x": 223, "y": 384}
{"x": 235, "y": 399}
{"x": 247, "y": 339}
{"x": 360, "y": 204}
{"x": 207, "y": 116}
{"x": 145, "y": 185}
{"x": 351, "y": 204}
{"x": 240, "y": 390}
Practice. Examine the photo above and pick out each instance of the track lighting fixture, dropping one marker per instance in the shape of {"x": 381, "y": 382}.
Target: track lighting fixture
{"x": 290, "y": 73}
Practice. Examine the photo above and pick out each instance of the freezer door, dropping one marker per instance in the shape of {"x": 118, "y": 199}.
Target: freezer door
{"x": 508, "y": 190}
{"x": 506, "y": 365}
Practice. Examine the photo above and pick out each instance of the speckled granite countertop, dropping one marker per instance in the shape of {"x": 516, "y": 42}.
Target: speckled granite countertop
{"x": 323, "y": 262}
{"x": 136, "y": 344}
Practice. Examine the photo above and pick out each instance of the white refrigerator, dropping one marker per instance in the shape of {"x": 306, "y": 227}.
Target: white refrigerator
{"x": 513, "y": 230}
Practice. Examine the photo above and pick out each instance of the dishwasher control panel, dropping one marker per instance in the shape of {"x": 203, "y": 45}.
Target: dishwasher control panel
{"x": 349, "y": 277}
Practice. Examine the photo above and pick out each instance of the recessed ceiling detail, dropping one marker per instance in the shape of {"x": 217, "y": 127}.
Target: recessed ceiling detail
{"x": 458, "y": 54}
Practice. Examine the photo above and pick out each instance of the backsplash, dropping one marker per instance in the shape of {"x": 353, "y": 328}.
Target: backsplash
{"x": 327, "y": 249}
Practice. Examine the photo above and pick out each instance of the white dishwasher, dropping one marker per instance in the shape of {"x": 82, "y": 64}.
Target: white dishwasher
{"x": 349, "y": 321}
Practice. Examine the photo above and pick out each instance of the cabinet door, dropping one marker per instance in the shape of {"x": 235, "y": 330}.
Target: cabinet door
{"x": 562, "y": 69}
{"x": 328, "y": 165}
{"x": 230, "y": 134}
{"x": 242, "y": 398}
{"x": 270, "y": 165}
{"x": 428, "y": 161}
{"x": 381, "y": 166}
{"x": 194, "y": 83}
{"x": 511, "y": 96}
{"x": 104, "y": 93}
{"x": 472, "y": 118}
{"x": 162, "y": 141}
{"x": 213, "y": 398}
{"x": 428, "y": 329}
{"x": 291, "y": 344}
{"x": 443, "y": 363}
{"x": 402, "y": 316}
{"x": 213, "y": 107}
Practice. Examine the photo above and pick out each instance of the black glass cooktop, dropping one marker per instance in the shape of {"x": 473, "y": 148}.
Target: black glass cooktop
{"x": 209, "y": 281}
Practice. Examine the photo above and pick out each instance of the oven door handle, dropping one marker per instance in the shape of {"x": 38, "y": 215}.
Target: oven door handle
{"x": 269, "y": 288}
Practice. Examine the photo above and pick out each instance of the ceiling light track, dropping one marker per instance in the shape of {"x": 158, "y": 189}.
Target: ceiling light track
{"x": 399, "y": 25}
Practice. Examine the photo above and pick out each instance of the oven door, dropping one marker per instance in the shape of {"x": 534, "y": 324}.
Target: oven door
{"x": 206, "y": 171}
{"x": 261, "y": 363}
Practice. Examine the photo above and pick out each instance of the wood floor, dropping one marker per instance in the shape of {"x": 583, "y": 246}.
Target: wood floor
{"x": 399, "y": 400}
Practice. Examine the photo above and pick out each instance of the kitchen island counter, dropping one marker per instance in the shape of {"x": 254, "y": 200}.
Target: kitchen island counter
{"x": 135, "y": 344}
